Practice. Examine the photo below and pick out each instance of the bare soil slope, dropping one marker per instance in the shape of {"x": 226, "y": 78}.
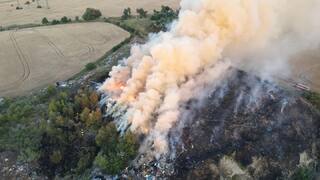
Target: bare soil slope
{"x": 32, "y": 58}
{"x": 70, "y": 8}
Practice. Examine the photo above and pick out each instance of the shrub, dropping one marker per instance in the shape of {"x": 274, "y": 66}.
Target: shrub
{"x": 27, "y": 3}
{"x": 90, "y": 66}
{"x": 142, "y": 13}
{"x": 54, "y": 22}
{"x": 126, "y": 13}
{"x": 18, "y": 8}
{"x": 64, "y": 20}
{"x": 91, "y": 14}
{"x": 45, "y": 21}
{"x": 77, "y": 18}
{"x": 51, "y": 90}
{"x": 39, "y": 6}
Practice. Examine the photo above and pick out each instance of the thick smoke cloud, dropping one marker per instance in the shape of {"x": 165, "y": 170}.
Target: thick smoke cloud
{"x": 208, "y": 37}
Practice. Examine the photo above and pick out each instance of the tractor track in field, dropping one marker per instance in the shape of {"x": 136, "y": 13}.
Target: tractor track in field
{"x": 58, "y": 51}
{"x": 23, "y": 61}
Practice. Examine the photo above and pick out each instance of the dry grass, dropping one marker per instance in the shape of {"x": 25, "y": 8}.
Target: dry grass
{"x": 306, "y": 68}
{"x": 34, "y": 57}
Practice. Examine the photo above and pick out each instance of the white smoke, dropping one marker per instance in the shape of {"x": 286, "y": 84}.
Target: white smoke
{"x": 208, "y": 37}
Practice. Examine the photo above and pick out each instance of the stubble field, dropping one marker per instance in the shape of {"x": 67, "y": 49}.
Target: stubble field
{"x": 34, "y": 57}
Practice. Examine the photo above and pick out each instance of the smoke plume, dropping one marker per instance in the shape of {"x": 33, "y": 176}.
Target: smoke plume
{"x": 150, "y": 86}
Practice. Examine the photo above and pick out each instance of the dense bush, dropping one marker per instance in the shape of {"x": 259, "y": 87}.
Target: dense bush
{"x": 64, "y": 135}
{"x": 54, "y": 22}
{"x": 90, "y": 66}
{"x": 64, "y": 20}
{"x": 91, "y": 14}
{"x": 18, "y": 131}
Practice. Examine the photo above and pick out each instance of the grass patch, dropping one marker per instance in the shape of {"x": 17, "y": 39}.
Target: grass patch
{"x": 304, "y": 173}
{"x": 313, "y": 98}
{"x": 138, "y": 26}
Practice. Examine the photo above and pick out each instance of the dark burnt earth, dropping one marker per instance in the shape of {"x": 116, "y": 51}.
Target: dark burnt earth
{"x": 244, "y": 119}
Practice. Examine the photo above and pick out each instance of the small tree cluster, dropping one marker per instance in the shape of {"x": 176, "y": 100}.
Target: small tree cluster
{"x": 66, "y": 142}
{"x": 126, "y": 13}
{"x": 163, "y": 17}
{"x": 63, "y": 20}
{"x": 142, "y": 13}
{"x": 91, "y": 14}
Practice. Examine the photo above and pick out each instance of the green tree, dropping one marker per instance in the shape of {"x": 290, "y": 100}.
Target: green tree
{"x": 110, "y": 163}
{"x": 163, "y": 17}
{"x": 84, "y": 116}
{"x": 64, "y": 20}
{"x": 142, "y": 13}
{"x": 91, "y": 14}
{"x": 107, "y": 137}
{"x": 126, "y": 13}
{"x": 54, "y": 22}
{"x": 45, "y": 21}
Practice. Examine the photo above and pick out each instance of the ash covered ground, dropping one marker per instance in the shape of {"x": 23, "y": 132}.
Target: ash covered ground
{"x": 246, "y": 128}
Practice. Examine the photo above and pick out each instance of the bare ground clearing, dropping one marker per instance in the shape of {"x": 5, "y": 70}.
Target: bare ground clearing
{"x": 70, "y": 8}
{"x": 34, "y": 57}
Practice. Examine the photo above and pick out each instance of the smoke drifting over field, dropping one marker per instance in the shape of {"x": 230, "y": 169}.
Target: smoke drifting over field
{"x": 209, "y": 37}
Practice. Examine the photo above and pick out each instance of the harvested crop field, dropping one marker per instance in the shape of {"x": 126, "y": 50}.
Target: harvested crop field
{"x": 34, "y": 57}
{"x": 59, "y": 8}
